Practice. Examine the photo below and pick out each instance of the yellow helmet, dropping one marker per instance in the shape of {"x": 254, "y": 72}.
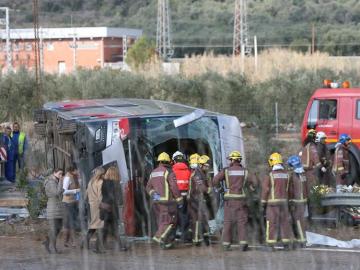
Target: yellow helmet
{"x": 194, "y": 159}
{"x": 204, "y": 159}
{"x": 274, "y": 159}
{"x": 235, "y": 155}
{"x": 164, "y": 157}
{"x": 311, "y": 133}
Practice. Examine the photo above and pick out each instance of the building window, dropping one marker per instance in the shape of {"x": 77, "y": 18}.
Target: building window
{"x": 28, "y": 46}
{"x": 28, "y": 56}
{"x": 61, "y": 67}
{"x": 17, "y": 57}
{"x": 50, "y": 46}
{"x": 16, "y": 47}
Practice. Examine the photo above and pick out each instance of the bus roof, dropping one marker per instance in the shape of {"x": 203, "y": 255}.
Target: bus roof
{"x": 336, "y": 92}
{"x": 91, "y": 109}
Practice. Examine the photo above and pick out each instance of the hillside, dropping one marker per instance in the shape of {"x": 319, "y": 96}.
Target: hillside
{"x": 210, "y": 22}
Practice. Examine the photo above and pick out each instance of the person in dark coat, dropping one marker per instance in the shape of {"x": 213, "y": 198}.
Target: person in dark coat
{"x": 10, "y": 169}
{"x": 110, "y": 205}
{"x": 54, "y": 210}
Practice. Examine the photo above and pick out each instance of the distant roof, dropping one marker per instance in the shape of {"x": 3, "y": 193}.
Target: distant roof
{"x": 114, "y": 108}
{"x": 79, "y": 32}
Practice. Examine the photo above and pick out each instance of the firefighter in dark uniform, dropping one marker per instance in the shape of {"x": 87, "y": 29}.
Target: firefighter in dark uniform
{"x": 199, "y": 188}
{"x": 162, "y": 188}
{"x": 298, "y": 198}
{"x": 341, "y": 166}
{"x": 274, "y": 196}
{"x": 234, "y": 178}
{"x": 324, "y": 172}
{"x": 310, "y": 159}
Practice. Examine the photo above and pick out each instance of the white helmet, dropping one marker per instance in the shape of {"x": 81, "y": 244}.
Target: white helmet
{"x": 177, "y": 154}
{"x": 319, "y": 136}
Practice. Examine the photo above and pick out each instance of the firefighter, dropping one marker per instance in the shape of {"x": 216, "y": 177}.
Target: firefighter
{"x": 323, "y": 172}
{"x": 234, "y": 179}
{"x": 341, "y": 166}
{"x": 310, "y": 159}
{"x": 164, "y": 192}
{"x": 274, "y": 197}
{"x": 198, "y": 190}
{"x": 298, "y": 198}
{"x": 182, "y": 174}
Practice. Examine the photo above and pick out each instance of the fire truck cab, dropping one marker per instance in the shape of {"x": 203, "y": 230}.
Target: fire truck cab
{"x": 335, "y": 111}
{"x": 130, "y": 133}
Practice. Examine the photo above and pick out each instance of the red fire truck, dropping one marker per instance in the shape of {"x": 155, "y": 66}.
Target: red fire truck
{"x": 335, "y": 109}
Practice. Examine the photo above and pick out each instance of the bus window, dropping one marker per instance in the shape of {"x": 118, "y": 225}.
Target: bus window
{"x": 328, "y": 109}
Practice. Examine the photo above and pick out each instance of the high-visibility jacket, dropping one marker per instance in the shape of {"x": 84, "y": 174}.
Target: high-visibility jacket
{"x": 275, "y": 187}
{"x": 21, "y": 142}
{"x": 163, "y": 182}
{"x": 182, "y": 174}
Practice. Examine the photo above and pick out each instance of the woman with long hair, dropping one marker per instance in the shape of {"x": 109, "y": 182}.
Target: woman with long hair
{"x": 111, "y": 200}
{"x": 94, "y": 196}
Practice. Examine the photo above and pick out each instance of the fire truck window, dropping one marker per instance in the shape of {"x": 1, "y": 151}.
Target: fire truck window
{"x": 358, "y": 109}
{"x": 328, "y": 109}
{"x": 313, "y": 113}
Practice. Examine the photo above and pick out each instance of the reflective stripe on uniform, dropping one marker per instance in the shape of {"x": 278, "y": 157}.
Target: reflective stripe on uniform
{"x": 269, "y": 241}
{"x": 166, "y": 188}
{"x": 166, "y": 231}
{"x": 236, "y": 173}
{"x": 156, "y": 174}
{"x": 301, "y": 233}
{"x": 228, "y": 194}
{"x": 182, "y": 181}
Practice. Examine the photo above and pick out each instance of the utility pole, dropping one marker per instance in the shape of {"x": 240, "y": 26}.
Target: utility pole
{"x": 37, "y": 49}
{"x": 313, "y": 39}
{"x": 240, "y": 28}
{"x": 74, "y": 45}
{"x": 6, "y": 22}
{"x": 163, "y": 40}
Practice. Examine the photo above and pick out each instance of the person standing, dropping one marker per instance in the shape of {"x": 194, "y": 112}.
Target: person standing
{"x": 20, "y": 145}
{"x": 323, "y": 172}
{"x": 54, "y": 209}
{"x": 235, "y": 208}
{"x": 70, "y": 200}
{"x": 298, "y": 198}
{"x": 274, "y": 197}
{"x": 163, "y": 190}
{"x": 341, "y": 165}
{"x": 198, "y": 190}
{"x": 94, "y": 196}
{"x": 110, "y": 204}
{"x": 10, "y": 169}
{"x": 182, "y": 174}
{"x": 310, "y": 159}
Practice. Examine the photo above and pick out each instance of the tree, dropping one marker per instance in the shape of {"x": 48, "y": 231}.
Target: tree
{"x": 141, "y": 52}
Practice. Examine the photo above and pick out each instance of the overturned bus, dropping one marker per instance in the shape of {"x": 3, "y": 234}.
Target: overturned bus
{"x": 131, "y": 133}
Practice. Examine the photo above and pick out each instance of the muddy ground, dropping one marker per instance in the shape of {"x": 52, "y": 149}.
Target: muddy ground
{"x": 21, "y": 248}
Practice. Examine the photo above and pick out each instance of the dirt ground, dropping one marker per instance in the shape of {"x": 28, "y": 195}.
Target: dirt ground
{"x": 21, "y": 248}
{"x": 25, "y": 253}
